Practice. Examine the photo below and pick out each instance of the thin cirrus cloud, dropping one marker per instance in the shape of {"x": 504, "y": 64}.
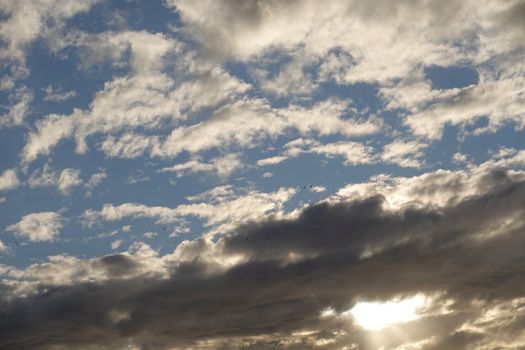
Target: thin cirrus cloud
{"x": 247, "y": 174}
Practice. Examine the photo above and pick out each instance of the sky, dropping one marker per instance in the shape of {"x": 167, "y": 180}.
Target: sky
{"x": 237, "y": 174}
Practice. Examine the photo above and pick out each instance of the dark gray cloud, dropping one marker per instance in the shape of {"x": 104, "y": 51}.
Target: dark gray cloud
{"x": 469, "y": 252}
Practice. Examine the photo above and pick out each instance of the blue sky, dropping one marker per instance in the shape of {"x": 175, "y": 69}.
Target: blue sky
{"x": 159, "y": 132}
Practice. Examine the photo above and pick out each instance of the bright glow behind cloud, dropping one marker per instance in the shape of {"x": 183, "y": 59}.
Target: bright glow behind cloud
{"x": 378, "y": 315}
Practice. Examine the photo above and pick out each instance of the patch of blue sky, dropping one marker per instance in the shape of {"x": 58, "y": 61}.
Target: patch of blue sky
{"x": 452, "y": 76}
{"x": 481, "y": 147}
{"x": 152, "y": 16}
{"x": 64, "y": 73}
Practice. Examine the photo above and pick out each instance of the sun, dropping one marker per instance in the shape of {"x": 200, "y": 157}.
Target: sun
{"x": 375, "y": 315}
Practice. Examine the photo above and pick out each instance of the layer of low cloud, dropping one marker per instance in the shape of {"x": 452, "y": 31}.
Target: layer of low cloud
{"x": 268, "y": 283}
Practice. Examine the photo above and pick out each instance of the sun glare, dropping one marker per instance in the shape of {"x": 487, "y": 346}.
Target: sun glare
{"x": 375, "y": 316}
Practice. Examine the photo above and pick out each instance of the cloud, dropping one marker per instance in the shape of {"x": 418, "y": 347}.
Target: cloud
{"x": 221, "y": 208}
{"x": 150, "y": 235}
{"x": 145, "y": 99}
{"x": 352, "y": 152}
{"x": 9, "y": 180}
{"x": 21, "y": 25}
{"x": 270, "y": 160}
{"x": 116, "y": 243}
{"x": 223, "y": 166}
{"x": 57, "y": 95}
{"x": 405, "y": 154}
{"x": 43, "y": 226}
{"x": 27, "y": 21}
{"x": 68, "y": 179}
{"x": 286, "y": 272}
{"x": 353, "y": 41}
{"x": 94, "y": 181}
{"x": 496, "y": 101}
{"x": 18, "y": 108}
{"x": 317, "y": 189}
{"x": 64, "y": 181}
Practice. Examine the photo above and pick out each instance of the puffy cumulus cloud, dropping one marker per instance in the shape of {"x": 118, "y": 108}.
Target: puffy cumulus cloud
{"x": 248, "y": 30}
{"x": 352, "y": 152}
{"x": 221, "y": 208}
{"x": 61, "y": 270}
{"x": 26, "y": 21}
{"x": 18, "y": 109}
{"x": 68, "y": 179}
{"x": 22, "y": 23}
{"x": 499, "y": 101}
{"x": 384, "y": 43}
{"x": 246, "y": 123}
{"x": 116, "y": 243}
{"x": 405, "y": 154}
{"x": 95, "y": 180}
{"x": 288, "y": 282}
{"x": 223, "y": 166}
{"x": 437, "y": 189}
{"x": 245, "y": 28}
{"x": 42, "y": 226}
{"x": 110, "y": 212}
{"x": 9, "y": 180}
{"x": 146, "y": 98}
{"x": 64, "y": 180}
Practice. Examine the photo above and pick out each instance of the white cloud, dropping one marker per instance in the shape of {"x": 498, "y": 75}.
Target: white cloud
{"x": 3, "y": 247}
{"x": 23, "y": 23}
{"x": 58, "y": 95}
{"x": 18, "y": 108}
{"x": 405, "y": 154}
{"x": 68, "y": 179}
{"x": 42, "y": 226}
{"x": 271, "y": 160}
{"x": 498, "y": 101}
{"x": 355, "y": 41}
{"x": 145, "y": 99}
{"x": 49, "y": 131}
{"x": 353, "y": 152}
{"x": 110, "y": 212}
{"x": 64, "y": 181}
{"x": 44, "y": 177}
{"x": 223, "y": 166}
{"x": 150, "y": 235}
{"x": 94, "y": 181}
{"x": 221, "y": 208}
{"x": 28, "y": 20}
{"x": 9, "y": 180}
{"x": 447, "y": 187}
{"x": 318, "y": 189}
{"x": 247, "y": 122}
{"x": 116, "y": 243}
{"x": 460, "y": 158}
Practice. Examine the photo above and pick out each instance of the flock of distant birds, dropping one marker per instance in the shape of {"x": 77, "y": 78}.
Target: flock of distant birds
{"x": 18, "y": 243}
